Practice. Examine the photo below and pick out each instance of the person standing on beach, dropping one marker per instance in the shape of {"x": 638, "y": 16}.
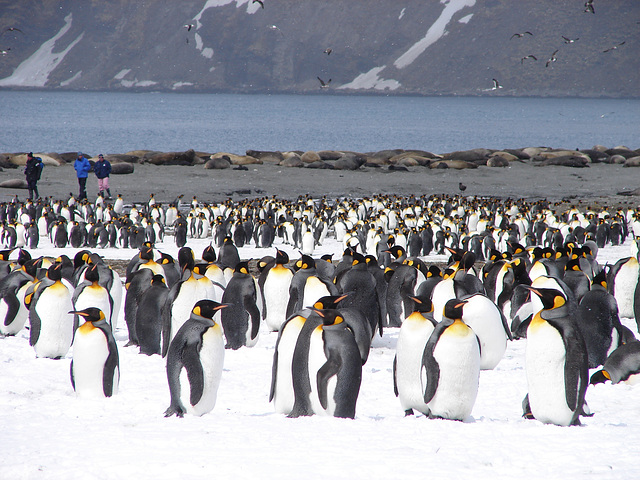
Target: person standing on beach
{"x": 33, "y": 170}
{"x": 82, "y": 167}
{"x": 102, "y": 169}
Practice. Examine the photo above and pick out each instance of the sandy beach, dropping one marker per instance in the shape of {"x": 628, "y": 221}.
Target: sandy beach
{"x": 596, "y": 184}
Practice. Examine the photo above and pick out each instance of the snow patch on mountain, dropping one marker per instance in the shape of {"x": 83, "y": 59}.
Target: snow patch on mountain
{"x": 435, "y": 32}
{"x": 371, "y": 79}
{"x": 35, "y": 70}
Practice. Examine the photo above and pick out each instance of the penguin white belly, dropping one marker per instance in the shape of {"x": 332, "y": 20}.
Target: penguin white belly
{"x": 458, "y": 357}
{"x": 21, "y": 317}
{"x": 183, "y": 304}
{"x": 442, "y": 293}
{"x": 308, "y": 243}
{"x": 284, "y": 398}
{"x": 317, "y": 359}
{"x": 90, "y": 352}
{"x": 212, "y": 360}
{"x": 276, "y": 296}
{"x": 56, "y": 325}
{"x": 412, "y": 339}
{"x": 544, "y": 362}
{"x": 116, "y": 292}
{"x": 314, "y": 289}
{"x": 483, "y": 316}
{"x": 625, "y": 285}
{"x": 94, "y": 296}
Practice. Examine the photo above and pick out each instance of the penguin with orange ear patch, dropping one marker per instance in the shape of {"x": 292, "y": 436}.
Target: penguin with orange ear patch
{"x": 335, "y": 367}
{"x": 95, "y": 369}
{"x": 556, "y": 362}
{"x": 451, "y": 360}
{"x": 198, "y": 347}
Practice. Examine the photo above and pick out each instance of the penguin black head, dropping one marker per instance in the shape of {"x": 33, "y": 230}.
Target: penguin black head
{"x": 242, "y": 267}
{"x": 550, "y": 297}
{"x": 91, "y": 314}
{"x": 209, "y": 254}
{"x": 91, "y": 273}
{"x": 157, "y": 280}
{"x": 453, "y": 309}
{"x": 573, "y": 265}
{"x": 305, "y": 263}
{"x": 166, "y": 259}
{"x": 23, "y": 256}
{"x": 281, "y": 257}
{"x": 186, "y": 258}
{"x": 422, "y": 304}
{"x": 4, "y": 254}
{"x": 329, "y": 316}
{"x": 228, "y": 240}
{"x": 55, "y": 272}
{"x": 146, "y": 252}
{"x": 434, "y": 271}
{"x": 358, "y": 259}
{"x": 81, "y": 258}
{"x": 328, "y": 302}
{"x": 207, "y": 308}
{"x": 600, "y": 279}
{"x": 327, "y": 257}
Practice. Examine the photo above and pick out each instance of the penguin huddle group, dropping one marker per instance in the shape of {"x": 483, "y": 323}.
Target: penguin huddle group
{"x": 55, "y": 296}
{"x": 515, "y": 270}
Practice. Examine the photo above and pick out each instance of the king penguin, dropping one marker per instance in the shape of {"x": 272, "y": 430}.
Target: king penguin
{"x": 556, "y": 363}
{"x": 241, "y": 321}
{"x": 95, "y": 367}
{"x": 13, "y": 312}
{"x": 623, "y": 365}
{"x": 149, "y": 316}
{"x": 275, "y": 281}
{"x": 407, "y": 363}
{"x": 89, "y": 293}
{"x": 451, "y": 360}
{"x": 198, "y": 347}
{"x": 335, "y": 367}
{"x": 51, "y": 326}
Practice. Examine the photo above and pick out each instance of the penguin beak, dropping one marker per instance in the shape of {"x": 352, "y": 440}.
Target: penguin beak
{"x": 76, "y": 312}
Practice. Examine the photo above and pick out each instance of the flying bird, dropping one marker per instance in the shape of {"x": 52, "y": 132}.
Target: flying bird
{"x": 615, "y": 47}
{"x": 189, "y": 26}
{"x": 328, "y": 51}
{"x": 324, "y": 84}
{"x": 496, "y": 84}
{"x": 569, "y": 40}
{"x": 12, "y": 29}
{"x": 4, "y": 52}
{"x": 552, "y": 59}
{"x": 520, "y": 35}
{"x": 528, "y": 56}
{"x": 588, "y": 7}
{"x": 275, "y": 27}
{"x": 260, "y": 2}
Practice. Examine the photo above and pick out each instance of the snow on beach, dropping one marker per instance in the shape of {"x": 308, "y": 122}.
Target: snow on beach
{"x": 49, "y": 433}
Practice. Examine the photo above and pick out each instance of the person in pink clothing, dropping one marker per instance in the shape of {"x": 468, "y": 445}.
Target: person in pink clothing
{"x": 102, "y": 169}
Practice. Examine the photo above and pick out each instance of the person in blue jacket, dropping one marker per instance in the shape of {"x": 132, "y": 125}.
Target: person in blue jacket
{"x": 82, "y": 167}
{"x": 102, "y": 169}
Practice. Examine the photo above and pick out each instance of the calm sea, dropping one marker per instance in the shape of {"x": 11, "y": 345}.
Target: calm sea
{"x": 120, "y": 122}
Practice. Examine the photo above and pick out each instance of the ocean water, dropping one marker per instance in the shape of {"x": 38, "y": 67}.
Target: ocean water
{"x": 120, "y": 122}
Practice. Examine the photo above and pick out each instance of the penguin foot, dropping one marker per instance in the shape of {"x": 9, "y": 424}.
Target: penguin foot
{"x": 174, "y": 410}
{"x": 408, "y": 412}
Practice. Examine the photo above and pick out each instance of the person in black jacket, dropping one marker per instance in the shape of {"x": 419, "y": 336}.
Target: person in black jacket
{"x": 102, "y": 169}
{"x": 33, "y": 170}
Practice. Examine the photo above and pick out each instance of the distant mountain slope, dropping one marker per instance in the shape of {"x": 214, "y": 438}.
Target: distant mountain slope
{"x": 428, "y": 47}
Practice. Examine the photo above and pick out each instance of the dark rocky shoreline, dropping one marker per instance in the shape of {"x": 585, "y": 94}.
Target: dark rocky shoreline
{"x": 591, "y": 175}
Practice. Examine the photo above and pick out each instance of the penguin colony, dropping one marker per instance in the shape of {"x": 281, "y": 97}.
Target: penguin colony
{"x": 516, "y": 270}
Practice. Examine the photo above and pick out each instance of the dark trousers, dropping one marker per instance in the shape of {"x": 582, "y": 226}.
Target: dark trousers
{"x": 83, "y": 187}
{"x": 32, "y": 185}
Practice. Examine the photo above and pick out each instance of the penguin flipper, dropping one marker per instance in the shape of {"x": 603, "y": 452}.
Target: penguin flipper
{"x": 195, "y": 373}
{"x": 254, "y": 314}
{"x": 395, "y": 375}
{"x": 110, "y": 366}
{"x": 576, "y": 372}
{"x": 430, "y": 364}
{"x": 328, "y": 370}
{"x": 34, "y": 327}
{"x": 73, "y": 380}
{"x": 274, "y": 367}
{"x": 13, "y": 305}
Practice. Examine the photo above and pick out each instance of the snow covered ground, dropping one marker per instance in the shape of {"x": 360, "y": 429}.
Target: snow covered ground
{"x": 49, "y": 433}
